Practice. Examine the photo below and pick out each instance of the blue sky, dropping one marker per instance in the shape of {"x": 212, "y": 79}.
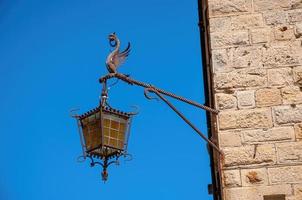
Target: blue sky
{"x": 51, "y": 56}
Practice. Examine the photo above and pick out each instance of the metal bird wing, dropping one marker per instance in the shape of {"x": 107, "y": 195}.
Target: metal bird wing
{"x": 120, "y": 58}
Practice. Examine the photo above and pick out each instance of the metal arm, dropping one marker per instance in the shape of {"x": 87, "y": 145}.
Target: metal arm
{"x": 158, "y": 92}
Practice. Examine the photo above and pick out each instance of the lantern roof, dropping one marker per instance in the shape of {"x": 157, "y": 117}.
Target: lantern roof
{"x": 106, "y": 109}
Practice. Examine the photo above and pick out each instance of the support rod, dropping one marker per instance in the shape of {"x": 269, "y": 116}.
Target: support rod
{"x": 147, "y": 85}
{"x": 184, "y": 118}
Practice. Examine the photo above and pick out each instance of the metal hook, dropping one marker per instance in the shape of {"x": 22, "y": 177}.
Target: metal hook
{"x": 146, "y": 93}
{"x": 136, "y": 110}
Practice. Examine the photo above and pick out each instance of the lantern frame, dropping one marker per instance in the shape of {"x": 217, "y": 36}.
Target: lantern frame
{"x": 99, "y": 148}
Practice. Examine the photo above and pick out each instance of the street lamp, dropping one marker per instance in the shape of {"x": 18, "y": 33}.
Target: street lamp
{"x": 104, "y": 131}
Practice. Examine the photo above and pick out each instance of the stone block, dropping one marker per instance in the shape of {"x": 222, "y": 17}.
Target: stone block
{"x": 295, "y": 16}
{"x": 249, "y": 155}
{"x": 296, "y": 4}
{"x": 284, "y": 33}
{"x": 226, "y": 101}
{"x": 256, "y": 192}
{"x": 289, "y": 152}
{"x": 246, "y": 99}
{"x": 260, "y": 35}
{"x": 289, "y": 174}
{"x": 230, "y": 139}
{"x": 264, "y": 5}
{"x": 275, "y": 17}
{"x": 231, "y": 178}
{"x": 269, "y": 135}
{"x": 241, "y": 78}
{"x": 298, "y": 131}
{"x": 297, "y": 74}
{"x": 287, "y": 114}
{"x": 247, "y": 57}
{"x": 280, "y": 76}
{"x": 222, "y": 7}
{"x": 221, "y": 60}
{"x": 225, "y": 39}
{"x": 220, "y": 23}
{"x": 298, "y": 31}
{"x": 291, "y": 95}
{"x": 252, "y": 177}
{"x": 246, "y": 21}
{"x": 256, "y": 118}
{"x": 280, "y": 56}
{"x": 268, "y": 97}
{"x": 298, "y": 190}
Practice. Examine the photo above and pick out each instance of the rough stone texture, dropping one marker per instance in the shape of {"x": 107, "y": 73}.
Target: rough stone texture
{"x": 234, "y": 38}
{"x": 298, "y": 131}
{"x": 291, "y": 95}
{"x": 230, "y": 139}
{"x": 220, "y": 23}
{"x": 222, "y": 7}
{"x": 256, "y": 48}
{"x": 260, "y": 35}
{"x": 298, "y": 190}
{"x": 275, "y": 17}
{"x": 246, "y": 21}
{"x": 247, "y": 57}
{"x": 289, "y": 152}
{"x": 297, "y": 74}
{"x": 279, "y": 56}
{"x": 248, "y": 155}
{"x": 288, "y": 114}
{"x": 226, "y": 101}
{"x": 257, "y": 118}
{"x": 295, "y": 16}
{"x": 221, "y": 59}
{"x": 284, "y": 33}
{"x": 256, "y": 192}
{"x": 298, "y": 31}
{"x": 232, "y": 178}
{"x": 280, "y": 76}
{"x": 274, "y": 134}
{"x": 262, "y": 5}
{"x": 290, "y": 174}
{"x": 246, "y": 99}
{"x": 268, "y": 97}
{"x": 241, "y": 78}
{"x": 251, "y": 177}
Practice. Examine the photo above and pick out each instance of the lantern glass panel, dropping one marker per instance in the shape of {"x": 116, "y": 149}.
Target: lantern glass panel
{"x": 105, "y": 132}
{"x": 114, "y": 130}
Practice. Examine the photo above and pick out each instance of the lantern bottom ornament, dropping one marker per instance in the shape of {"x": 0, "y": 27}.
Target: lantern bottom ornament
{"x": 104, "y": 134}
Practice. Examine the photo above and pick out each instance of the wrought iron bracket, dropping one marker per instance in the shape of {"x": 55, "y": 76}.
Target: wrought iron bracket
{"x": 160, "y": 93}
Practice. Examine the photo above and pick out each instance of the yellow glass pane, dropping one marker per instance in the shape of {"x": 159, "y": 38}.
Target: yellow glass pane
{"x": 106, "y": 122}
{"x": 115, "y": 125}
{"x": 112, "y": 142}
{"x": 122, "y": 127}
{"x": 106, "y": 140}
{"x": 121, "y": 136}
{"x": 106, "y": 131}
{"x": 113, "y": 133}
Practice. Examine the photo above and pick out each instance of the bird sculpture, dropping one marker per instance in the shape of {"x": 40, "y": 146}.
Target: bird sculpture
{"x": 116, "y": 58}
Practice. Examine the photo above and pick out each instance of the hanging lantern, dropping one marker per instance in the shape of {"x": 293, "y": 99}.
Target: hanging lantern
{"x": 105, "y": 132}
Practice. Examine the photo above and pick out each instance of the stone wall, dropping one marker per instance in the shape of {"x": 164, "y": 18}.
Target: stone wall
{"x": 256, "y": 53}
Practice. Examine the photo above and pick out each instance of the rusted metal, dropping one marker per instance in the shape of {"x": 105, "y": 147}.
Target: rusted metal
{"x": 131, "y": 81}
{"x": 116, "y": 58}
{"x": 184, "y": 118}
{"x": 158, "y": 92}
